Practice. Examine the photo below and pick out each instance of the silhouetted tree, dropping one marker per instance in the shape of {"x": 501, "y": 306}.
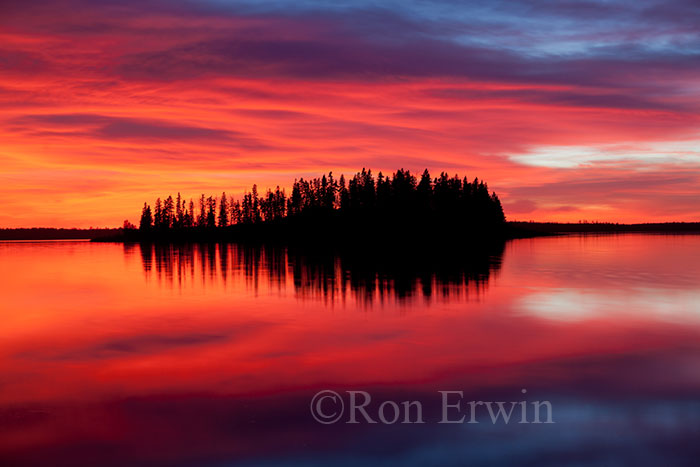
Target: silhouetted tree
{"x": 329, "y": 187}
{"x": 235, "y": 212}
{"x": 247, "y": 209}
{"x": 403, "y": 190}
{"x": 211, "y": 212}
{"x": 343, "y": 195}
{"x": 146, "y": 223}
{"x": 395, "y": 202}
{"x": 267, "y": 206}
{"x": 202, "y": 219}
{"x": 256, "y": 204}
{"x": 280, "y": 203}
{"x": 223, "y": 211}
{"x": 383, "y": 191}
{"x": 190, "y": 215}
{"x": 424, "y": 191}
{"x": 167, "y": 214}
{"x": 158, "y": 215}
{"x": 294, "y": 204}
{"x": 179, "y": 212}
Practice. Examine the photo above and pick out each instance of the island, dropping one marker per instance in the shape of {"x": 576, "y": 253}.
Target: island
{"x": 399, "y": 208}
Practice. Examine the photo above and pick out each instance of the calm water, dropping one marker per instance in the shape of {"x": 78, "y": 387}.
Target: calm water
{"x": 210, "y": 355}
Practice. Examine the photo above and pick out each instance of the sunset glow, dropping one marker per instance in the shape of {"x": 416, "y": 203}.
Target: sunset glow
{"x": 114, "y": 355}
{"x": 583, "y": 110}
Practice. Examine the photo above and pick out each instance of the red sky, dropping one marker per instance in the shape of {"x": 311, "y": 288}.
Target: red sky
{"x": 586, "y": 111}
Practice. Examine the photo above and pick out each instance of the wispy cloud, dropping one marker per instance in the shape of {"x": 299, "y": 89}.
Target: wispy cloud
{"x": 213, "y": 96}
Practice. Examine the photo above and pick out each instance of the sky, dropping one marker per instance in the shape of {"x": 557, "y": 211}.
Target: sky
{"x": 570, "y": 110}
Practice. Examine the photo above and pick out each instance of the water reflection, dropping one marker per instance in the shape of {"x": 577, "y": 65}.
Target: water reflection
{"x": 208, "y": 355}
{"x": 326, "y": 275}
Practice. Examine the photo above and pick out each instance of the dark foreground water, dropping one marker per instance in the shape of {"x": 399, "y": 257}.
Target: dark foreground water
{"x": 215, "y": 355}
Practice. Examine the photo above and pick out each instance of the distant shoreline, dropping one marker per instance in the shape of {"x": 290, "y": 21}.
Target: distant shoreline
{"x": 603, "y": 227}
{"x": 517, "y": 229}
{"x": 49, "y": 233}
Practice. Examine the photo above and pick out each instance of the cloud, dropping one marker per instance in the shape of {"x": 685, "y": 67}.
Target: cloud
{"x": 594, "y": 193}
{"x": 212, "y": 96}
{"x": 520, "y": 206}
{"x": 14, "y": 62}
{"x": 125, "y": 128}
{"x": 327, "y": 57}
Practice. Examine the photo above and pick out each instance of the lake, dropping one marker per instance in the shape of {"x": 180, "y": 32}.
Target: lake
{"x": 212, "y": 355}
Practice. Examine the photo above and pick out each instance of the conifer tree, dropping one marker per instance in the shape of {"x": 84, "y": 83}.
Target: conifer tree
{"x": 211, "y": 212}
{"x": 146, "y": 219}
{"x": 202, "y": 219}
{"x": 223, "y": 211}
{"x": 158, "y": 215}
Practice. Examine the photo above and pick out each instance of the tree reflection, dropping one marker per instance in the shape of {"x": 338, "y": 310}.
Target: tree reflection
{"x": 368, "y": 275}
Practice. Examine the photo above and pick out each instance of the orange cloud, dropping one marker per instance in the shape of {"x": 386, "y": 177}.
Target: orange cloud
{"x": 99, "y": 119}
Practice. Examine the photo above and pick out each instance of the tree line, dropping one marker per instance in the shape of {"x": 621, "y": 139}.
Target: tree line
{"x": 396, "y": 196}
